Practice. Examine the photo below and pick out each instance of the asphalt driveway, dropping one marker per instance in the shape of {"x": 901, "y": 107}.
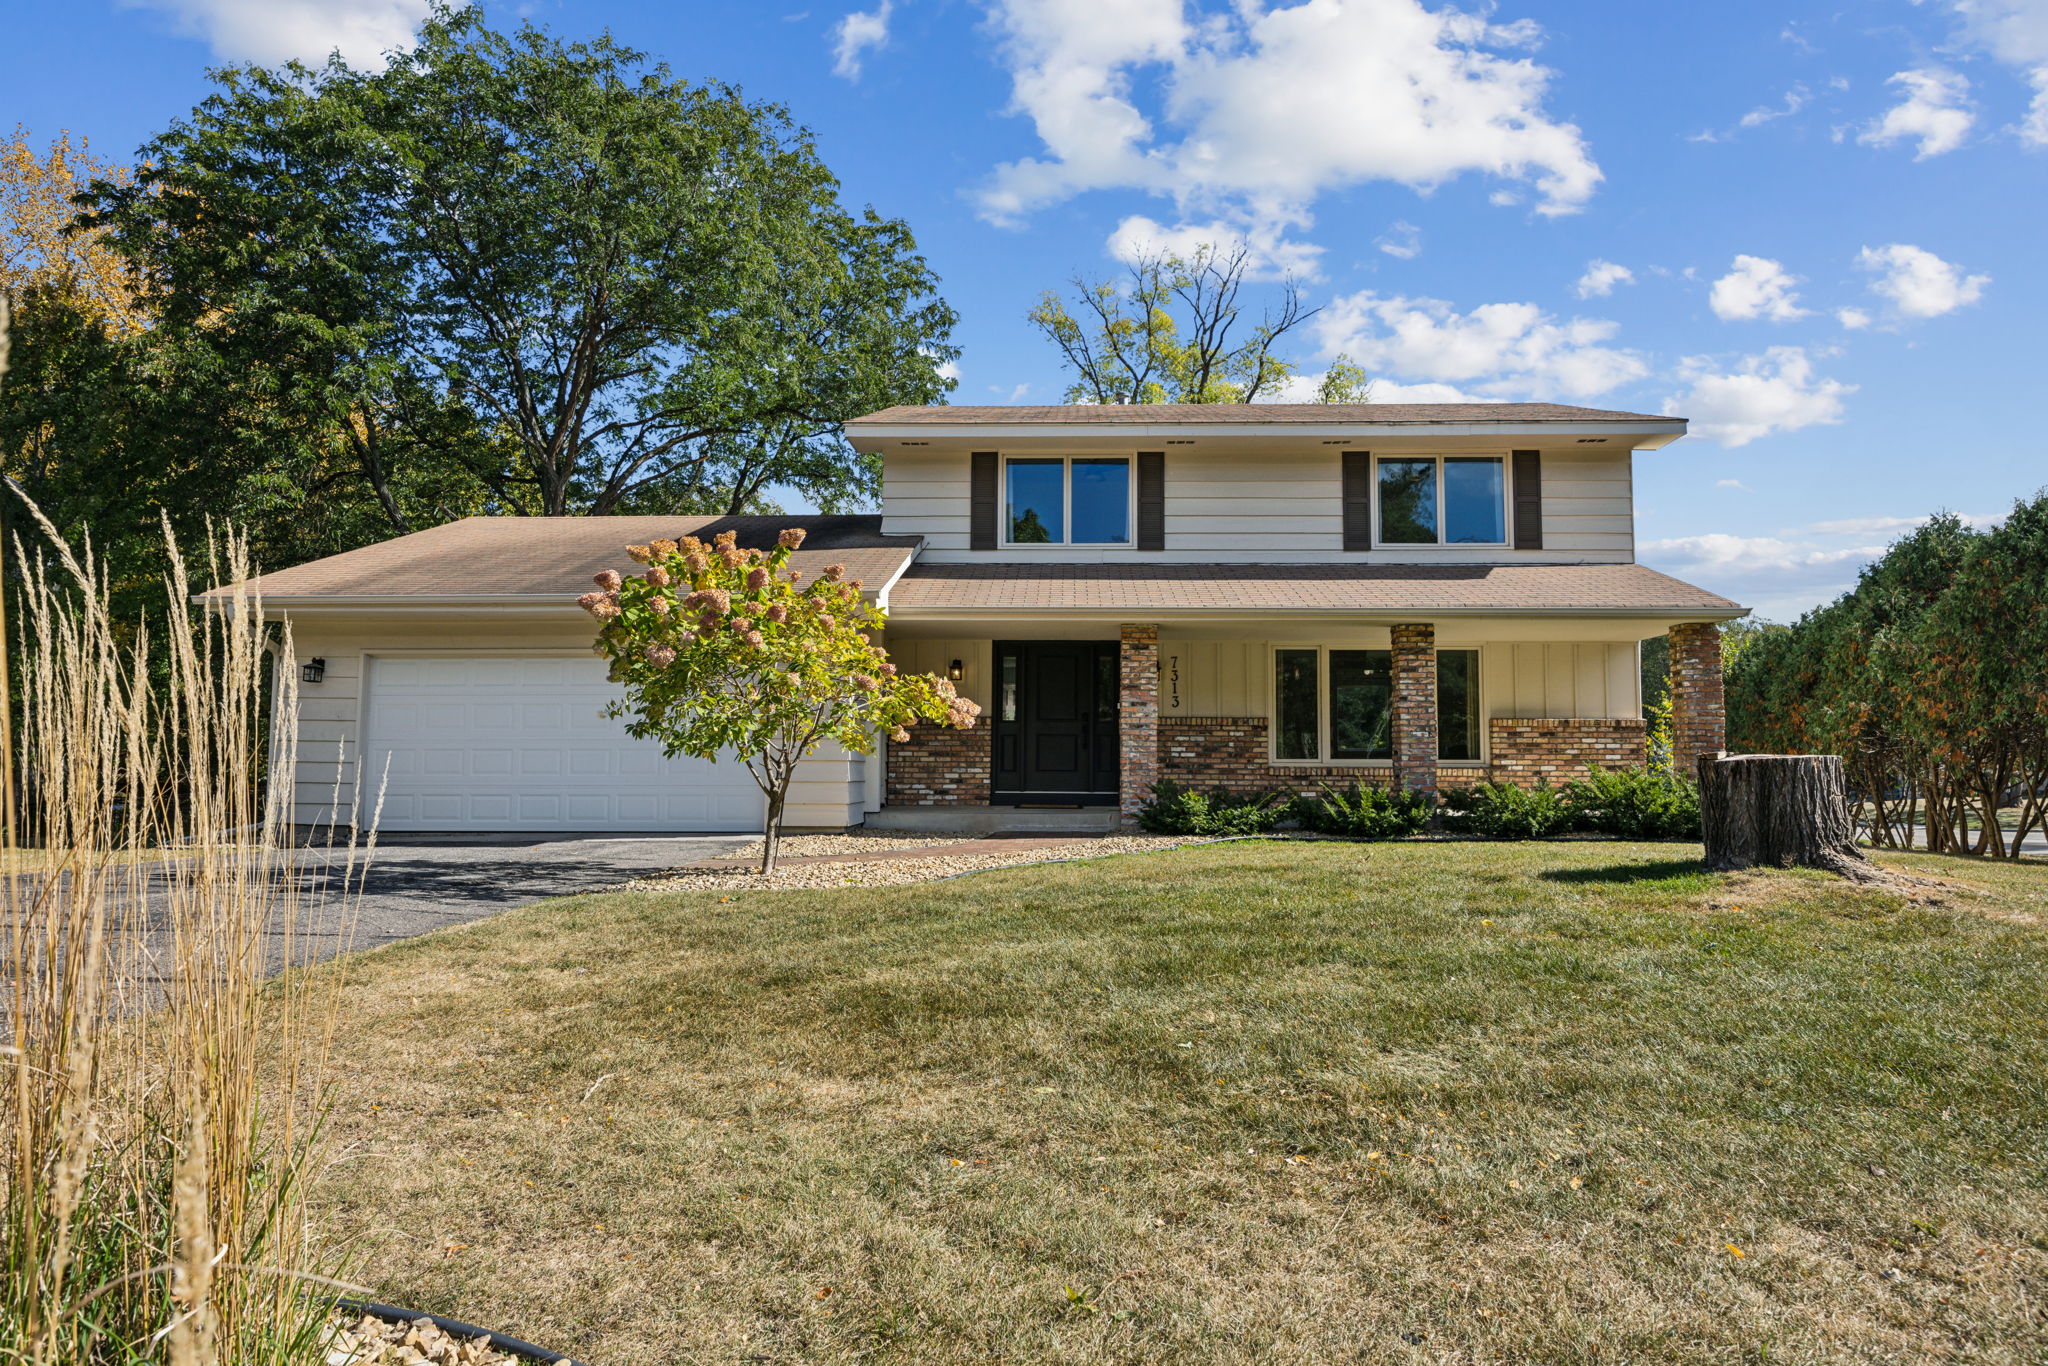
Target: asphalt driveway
{"x": 416, "y": 883}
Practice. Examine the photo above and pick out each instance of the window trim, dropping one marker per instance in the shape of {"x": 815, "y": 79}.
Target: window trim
{"x": 1507, "y": 500}
{"x": 1323, "y": 649}
{"x": 1130, "y": 540}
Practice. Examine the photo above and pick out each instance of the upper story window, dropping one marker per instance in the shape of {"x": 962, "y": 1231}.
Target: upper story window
{"x": 1442, "y": 500}
{"x": 1067, "y": 500}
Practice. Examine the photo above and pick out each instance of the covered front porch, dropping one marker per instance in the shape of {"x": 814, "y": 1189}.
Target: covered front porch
{"x": 1082, "y": 718}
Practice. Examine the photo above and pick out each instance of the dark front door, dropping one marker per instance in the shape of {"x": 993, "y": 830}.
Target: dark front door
{"x": 1055, "y": 725}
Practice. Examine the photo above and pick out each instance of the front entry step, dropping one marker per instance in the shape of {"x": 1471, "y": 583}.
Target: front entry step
{"x": 993, "y": 820}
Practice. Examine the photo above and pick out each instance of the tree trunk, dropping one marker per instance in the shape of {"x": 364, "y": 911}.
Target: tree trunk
{"x": 771, "y": 835}
{"x": 1779, "y": 811}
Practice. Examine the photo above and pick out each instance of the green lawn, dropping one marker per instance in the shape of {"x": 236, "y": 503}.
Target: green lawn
{"x": 1258, "y": 1102}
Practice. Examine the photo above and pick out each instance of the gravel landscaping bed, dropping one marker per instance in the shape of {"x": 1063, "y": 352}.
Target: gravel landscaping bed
{"x": 360, "y": 1340}
{"x": 811, "y": 846}
{"x": 894, "y": 872}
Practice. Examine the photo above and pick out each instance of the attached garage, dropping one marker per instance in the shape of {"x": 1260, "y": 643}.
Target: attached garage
{"x": 473, "y": 742}
{"x": 452, "y": 668}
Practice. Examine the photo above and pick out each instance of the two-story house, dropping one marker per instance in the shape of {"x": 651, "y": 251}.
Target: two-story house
{"x": 1258, "y": 597}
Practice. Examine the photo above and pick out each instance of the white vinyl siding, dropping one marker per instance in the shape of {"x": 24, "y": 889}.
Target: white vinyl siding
{"x": 1270, "y": 509}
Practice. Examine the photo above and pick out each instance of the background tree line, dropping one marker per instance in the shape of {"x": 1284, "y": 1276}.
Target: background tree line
{"x": 1930, "y": 679}
{"x": 505, "y": 273}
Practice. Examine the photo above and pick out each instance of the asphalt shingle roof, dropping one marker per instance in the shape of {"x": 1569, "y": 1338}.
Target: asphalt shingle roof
{"x": 1195, "y": 414}
{"x": 1505, "y": 588}
{"x": 539, "y": 556}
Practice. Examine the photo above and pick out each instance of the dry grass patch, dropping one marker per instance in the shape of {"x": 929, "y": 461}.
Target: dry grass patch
{"x": 1245, "y": 1103}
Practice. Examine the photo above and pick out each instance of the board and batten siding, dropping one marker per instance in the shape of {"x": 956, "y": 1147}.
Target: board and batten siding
{"x": 829, "y": 792}
{"x": 1269, "y": 509}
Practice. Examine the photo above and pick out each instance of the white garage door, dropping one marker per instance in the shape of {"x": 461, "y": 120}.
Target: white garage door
{"x": 523, "y": 744}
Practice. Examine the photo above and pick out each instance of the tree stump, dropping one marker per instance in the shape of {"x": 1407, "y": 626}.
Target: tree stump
{"x": 1779, "y": 811}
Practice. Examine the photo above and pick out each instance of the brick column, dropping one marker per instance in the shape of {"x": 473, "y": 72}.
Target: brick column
{"x": 1699, "y": 718}
{"x": 1415, "y": 709}
{"x": 1138, "y": 719}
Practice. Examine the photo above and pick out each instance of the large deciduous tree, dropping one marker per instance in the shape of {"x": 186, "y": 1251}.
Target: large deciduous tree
{"x": 526, "y": 274}
{"x": 724, "y": 650}
{"x": 1173, "y": 329}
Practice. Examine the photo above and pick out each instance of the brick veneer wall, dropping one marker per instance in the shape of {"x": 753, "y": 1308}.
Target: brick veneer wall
{"x": 1699, "y": 716}
{"x": 1527, "y": 751}
{"x": 939, "y": 766}
{"x": 1137, "y": 716}
{"x": 1415, "y": 743}
{"x": 1230, "y": 752}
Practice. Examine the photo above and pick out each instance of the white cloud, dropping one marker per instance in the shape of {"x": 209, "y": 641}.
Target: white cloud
{"x": 855, "y": 34}
{"x": 2014, "y": 32}
{"x": 1936, "y": 111}
{"x": 1757, "y": 287}
{"x": 1269, "y": 252}
{"x": 1303, "y": 388}
{"x": 1796, "y": 99}
{"x": 1263, "y": 109}
{"x": 1763, "y": 395}
{"x": 1403, "y": 241}
{"x": 1736, "y": 484}
{"x": 950, "y": 369}
{"x": 1918, "y": 283}
{"x": 1498, "y": 350}
{"x": 1719, "y": 552}
{"x": 270, "y": 32}
{"x": 1859, "y": 526}
{"x": 1852, "y": 318}
{"x": 1787, "y": 573}
{"x": 1778, "y": 578}
{"x": 1602, "y": 276}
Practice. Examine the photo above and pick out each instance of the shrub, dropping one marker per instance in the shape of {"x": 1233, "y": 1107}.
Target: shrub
{"x": 1171, "y": 809}
{"x": 1502, "y": 811}
{"x": 1364, "y": 812}
{"x": 1635, "y": 803}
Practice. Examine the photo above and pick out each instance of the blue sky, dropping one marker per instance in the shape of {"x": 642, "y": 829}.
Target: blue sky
{"x": 1815, "y": 231}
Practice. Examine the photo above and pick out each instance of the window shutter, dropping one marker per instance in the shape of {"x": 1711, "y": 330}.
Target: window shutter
{"x": 1528, "y": 500}
{"x": 1357, "y": 500}
{"x": 981, "y": 501}
{"x": 1151, "y": 500}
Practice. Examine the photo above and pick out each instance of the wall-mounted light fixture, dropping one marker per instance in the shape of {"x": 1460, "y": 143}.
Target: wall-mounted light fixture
{"x": 313, "y": 670}
{"x": 956, "y": 671}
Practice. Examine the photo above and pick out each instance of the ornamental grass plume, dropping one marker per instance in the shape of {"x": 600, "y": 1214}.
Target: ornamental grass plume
{"x": 775, "y": 669}
{"x": 164, "y": 1088}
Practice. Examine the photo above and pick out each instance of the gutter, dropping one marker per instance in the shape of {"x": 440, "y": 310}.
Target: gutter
{"x": 972, "y": 431}
{"x": 1388, "y": 614}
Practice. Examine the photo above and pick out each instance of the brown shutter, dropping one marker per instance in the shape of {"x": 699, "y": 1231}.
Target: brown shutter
{"x": 1151, "y": 500}
{"x": 1357, "y": 500}
{"x": 981, "y": 501}
{"x": 1528, "y": 500}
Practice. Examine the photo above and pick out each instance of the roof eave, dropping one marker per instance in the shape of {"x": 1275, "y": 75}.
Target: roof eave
{"x": 1663, "y": 612}
{"x": 1652, "y": 435}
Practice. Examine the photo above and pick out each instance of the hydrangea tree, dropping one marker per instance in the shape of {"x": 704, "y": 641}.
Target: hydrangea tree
{"x": 726, "y": 650}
